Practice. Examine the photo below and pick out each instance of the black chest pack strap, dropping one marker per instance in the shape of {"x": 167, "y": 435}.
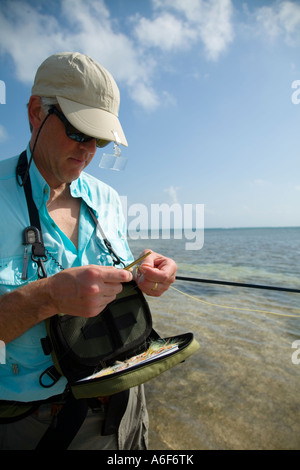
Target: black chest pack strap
{"x": 39, "y": 254}
{"x": 38, "y": 248}
{"x": 74, "y": 412}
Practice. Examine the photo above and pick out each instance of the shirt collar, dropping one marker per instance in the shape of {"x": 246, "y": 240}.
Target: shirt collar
{"x": 41, "y": 189}
{"x": 80, "y": 188}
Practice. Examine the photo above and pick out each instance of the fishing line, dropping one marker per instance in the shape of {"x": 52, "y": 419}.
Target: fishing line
{"x": 232, "y": 308}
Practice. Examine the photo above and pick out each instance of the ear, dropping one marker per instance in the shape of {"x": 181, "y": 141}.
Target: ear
{"x": 35, "y": 111}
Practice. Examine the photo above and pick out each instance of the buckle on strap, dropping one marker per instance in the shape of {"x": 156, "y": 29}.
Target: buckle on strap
{"x": 51, "y": 373}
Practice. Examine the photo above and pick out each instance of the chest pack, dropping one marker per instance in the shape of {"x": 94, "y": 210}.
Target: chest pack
{"x": 113, "y": 351}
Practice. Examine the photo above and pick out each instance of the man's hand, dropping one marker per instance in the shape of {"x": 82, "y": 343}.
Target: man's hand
{"x": 155, "y": 275}
{"x": 86, "y": 290}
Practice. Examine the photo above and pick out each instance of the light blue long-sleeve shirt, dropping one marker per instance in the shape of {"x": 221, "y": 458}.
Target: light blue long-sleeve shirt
{"x": 25, "y": 359}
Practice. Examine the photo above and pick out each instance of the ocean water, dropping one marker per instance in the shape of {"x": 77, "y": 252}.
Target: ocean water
{"x": 241, "y": 389}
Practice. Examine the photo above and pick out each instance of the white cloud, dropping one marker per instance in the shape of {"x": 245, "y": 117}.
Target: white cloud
{"x": 172, "y": 193}
{"x": 165, "y": 32}
{"x": 145, "y": 96}
{"x": 280, "y": 19}
{"x": 208, "y": 22}
{"x": 22, "y": 29}
{"x": 29, "y": 33}
{"x": 89, "y": 29}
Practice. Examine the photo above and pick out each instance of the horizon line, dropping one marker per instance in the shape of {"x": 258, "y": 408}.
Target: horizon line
{"x": 218, "y": 228}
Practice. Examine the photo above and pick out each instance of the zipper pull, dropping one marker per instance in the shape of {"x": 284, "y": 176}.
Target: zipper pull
{"x": 25, "y": 264}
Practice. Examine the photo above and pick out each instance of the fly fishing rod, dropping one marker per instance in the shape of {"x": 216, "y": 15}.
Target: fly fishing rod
{"x": 237, "y": 284}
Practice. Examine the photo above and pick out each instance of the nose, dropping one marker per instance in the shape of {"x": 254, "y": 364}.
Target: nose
{"x": 89, "y": 146}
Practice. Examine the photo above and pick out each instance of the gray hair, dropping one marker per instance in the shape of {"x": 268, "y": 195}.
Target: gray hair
{"x": 46, "y": 102}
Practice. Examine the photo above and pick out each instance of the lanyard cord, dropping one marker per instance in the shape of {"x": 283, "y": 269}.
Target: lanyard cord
{"x": 39, "y": 252}
{"x": 39, "y": 249}
{"x": 23, "y": 167}
{"x": 114, "y": 256}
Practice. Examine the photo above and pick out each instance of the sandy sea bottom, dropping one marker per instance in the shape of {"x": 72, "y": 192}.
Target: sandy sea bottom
{"x": 240, "y": 390}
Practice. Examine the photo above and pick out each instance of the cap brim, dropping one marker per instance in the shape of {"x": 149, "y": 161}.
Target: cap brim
{"x": 94, "y": 122}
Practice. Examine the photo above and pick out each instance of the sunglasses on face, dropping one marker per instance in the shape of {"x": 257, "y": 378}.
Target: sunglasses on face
{"x": 72, "y": 132}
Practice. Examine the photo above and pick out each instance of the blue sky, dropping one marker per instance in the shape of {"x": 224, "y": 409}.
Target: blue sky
{"x": 207, "y": 99}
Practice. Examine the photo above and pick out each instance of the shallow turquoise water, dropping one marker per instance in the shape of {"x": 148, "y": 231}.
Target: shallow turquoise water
{"x": 241, "y": 389}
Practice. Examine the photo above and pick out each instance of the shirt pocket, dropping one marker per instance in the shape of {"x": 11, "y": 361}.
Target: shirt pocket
{"x": 11, "y": 271}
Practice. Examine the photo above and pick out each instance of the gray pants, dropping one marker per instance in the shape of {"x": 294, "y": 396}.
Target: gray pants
{"x": 132, "y": 434}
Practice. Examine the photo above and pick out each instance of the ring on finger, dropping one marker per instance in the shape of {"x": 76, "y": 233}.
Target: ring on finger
{"x": 155, "y": 286}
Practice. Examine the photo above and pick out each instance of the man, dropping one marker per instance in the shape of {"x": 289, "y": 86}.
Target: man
{"x": 73, "y": 109}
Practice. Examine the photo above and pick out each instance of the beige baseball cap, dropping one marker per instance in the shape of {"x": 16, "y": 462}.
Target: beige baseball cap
{"x": 86, "y": 92}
